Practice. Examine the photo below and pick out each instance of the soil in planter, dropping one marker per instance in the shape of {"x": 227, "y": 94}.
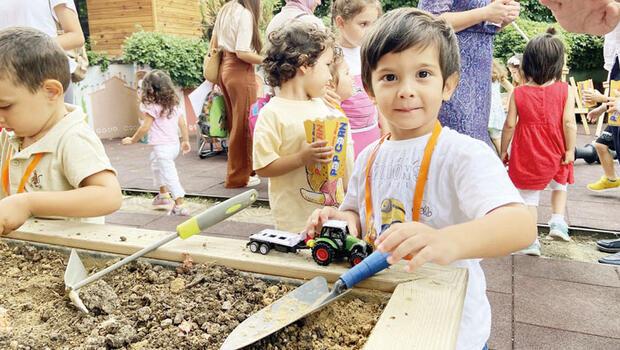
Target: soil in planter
{"x": 144, "y": 306}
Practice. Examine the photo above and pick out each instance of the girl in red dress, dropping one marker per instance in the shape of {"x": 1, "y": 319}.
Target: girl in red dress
{"x": 541, "y": 118}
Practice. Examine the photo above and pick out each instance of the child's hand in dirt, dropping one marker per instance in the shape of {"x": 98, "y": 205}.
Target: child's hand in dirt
{"x": 569, "y": 157}
{"x": 185, "y": 147}
{"x": 14, "y": 211}
{"x": 127, "y": 141}
{"x": 418, "y": 243}
{"x": 320, "y": 216}
{"x": 316, "y": 152}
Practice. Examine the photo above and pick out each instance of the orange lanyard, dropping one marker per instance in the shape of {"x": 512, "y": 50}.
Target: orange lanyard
{"x": 22, "y": 183}
{"x": 420, "y": 183}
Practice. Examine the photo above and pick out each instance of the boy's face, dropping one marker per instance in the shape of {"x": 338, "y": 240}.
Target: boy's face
{"x": 23, "y": 112}
{"x": 408, "y": 89}
{"x": 318, "y": 76}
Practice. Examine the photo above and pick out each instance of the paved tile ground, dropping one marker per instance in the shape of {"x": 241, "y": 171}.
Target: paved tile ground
{"x": 537, "y": 303}
{"x": 206, "y": 177}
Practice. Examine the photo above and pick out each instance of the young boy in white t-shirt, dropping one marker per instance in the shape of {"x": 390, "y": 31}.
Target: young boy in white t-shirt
{"x": 52, "y": 163}
{"x": 465, "y": 206}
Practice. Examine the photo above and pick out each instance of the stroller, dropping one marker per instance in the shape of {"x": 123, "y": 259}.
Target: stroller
{"x": 212, "y": 127}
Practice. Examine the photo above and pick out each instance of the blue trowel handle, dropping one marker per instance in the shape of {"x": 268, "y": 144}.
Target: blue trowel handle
{"x": 374, "y": 263}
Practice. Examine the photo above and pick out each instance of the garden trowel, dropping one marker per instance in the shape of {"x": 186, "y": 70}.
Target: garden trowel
{"x": 306, "y": 299}
{"x": 77, "y": 277}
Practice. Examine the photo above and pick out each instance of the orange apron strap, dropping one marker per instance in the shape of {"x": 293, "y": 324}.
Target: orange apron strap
{"x": 367, "y": 192}
{"x": 22, "y": 183}
{"x": 28, "y": 172}
{"x": 5, "y": 171}
{"x": 418, "y": 195}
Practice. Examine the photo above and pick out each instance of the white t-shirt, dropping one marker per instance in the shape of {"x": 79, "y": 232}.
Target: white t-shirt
{"x": 353, "y": 59}
{"x": 234, "y": 28}
{"x": 289, "y": 14}
{"x": 36, "y": 14}
{"x": 611, "y": 47}
{"x": 466, "y": 180}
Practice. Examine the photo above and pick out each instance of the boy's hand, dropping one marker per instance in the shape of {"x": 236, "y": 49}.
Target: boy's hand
{"x": 611, "y": 106}
{"x": 569, "y": 157}
{"x": 14, "y": 211}
{"x": 320, "y": 216}
{"x": 185, "y": 147}
{"x": 127, "y": 141}
{"x": 422, "y": 242}
{"x": 316, "y": 152}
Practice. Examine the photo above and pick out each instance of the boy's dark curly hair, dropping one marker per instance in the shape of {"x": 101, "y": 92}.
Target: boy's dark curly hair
{"x": 293, "y": 46}
{"x": 158, "y": 88}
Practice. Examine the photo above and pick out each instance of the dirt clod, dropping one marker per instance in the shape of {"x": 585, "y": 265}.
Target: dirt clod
{"x": 99, "y": 297}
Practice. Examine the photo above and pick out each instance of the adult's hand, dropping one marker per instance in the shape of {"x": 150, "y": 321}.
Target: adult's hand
{"x": 597, "y": 17}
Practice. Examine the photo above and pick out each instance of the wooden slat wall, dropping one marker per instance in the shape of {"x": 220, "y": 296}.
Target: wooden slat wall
{"x": 111, "y": 21}
{"x": 179, "y": 17}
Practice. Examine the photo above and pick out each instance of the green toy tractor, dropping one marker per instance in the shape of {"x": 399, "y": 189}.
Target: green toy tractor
{"x": 335, "y": 242}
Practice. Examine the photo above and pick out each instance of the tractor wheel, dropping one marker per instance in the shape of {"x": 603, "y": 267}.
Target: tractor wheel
{"x": 264, "y": 248}
{"x": 323, "y": 254}
{"x": 254, "y": 247}
{"x": 356, "y": 257}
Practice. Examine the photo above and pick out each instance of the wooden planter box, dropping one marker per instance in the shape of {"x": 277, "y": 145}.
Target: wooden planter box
{"x": 111, "y": 21}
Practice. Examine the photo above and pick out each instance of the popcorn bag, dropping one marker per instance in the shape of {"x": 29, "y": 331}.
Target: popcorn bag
{"x": 334, "y": 130}
{"x": 614, "y": 118}
{"x": 583, "y": 86}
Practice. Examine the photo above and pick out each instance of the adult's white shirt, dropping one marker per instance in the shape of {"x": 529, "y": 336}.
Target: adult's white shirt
{"x": 289, "y": 14}
{"x": 36, "y": 14}
{"x": 611, "y": 48}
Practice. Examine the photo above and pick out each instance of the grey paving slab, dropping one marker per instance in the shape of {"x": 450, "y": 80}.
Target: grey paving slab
{"x": 498, "y": 273}
{"x": 568, "y": 306}
{"x": 206, "y": 177}
{"x": 236, "y": 229}
{"x": 130, "y": 219}
{"x": 528, "y": 337}
{"x": 501, "y": 326}
{"x": 567, "y": 270}
{"x": 165, "y": 223}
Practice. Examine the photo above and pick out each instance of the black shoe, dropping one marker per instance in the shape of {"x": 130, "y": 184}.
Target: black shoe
{"x": 611, "y": 259}
{"x": 608, "y": 245}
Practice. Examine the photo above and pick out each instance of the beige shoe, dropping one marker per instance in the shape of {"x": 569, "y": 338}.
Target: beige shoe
{"x": 253, "y": 181}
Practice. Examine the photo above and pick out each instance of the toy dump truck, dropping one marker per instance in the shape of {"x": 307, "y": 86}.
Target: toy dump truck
{"x": 335, "y": 242}
{"x": 267, "y": 239}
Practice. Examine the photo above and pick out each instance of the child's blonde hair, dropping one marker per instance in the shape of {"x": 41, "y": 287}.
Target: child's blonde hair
{"x": 499, "y": 72}
{"x": 291, "y": 47}
{"x": 347, "y": 9}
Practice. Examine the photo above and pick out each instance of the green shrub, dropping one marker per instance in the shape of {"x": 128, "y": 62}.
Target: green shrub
{"x": 584, "y": 51}
{"x": 181, "y": 57}
{"x": 533, "y": 10}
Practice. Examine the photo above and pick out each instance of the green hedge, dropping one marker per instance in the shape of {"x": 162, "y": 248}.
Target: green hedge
{"x": 585, "y": 52}
{"x": 180, "y": 57}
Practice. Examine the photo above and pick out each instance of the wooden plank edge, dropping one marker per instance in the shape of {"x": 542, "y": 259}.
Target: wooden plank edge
{"x": 228, "y": 252}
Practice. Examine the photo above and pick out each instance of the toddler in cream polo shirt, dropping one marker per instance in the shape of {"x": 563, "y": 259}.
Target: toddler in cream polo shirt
{"x": 52, "y": 164}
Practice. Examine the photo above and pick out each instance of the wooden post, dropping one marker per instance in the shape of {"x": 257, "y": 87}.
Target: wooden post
{"x": 579, "y": 109}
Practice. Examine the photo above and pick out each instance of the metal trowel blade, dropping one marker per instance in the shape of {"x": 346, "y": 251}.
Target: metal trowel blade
{"x": 307, "y": 298}
{"x": 75, "y": 271}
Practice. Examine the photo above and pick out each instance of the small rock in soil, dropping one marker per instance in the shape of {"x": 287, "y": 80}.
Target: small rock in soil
{"x": 99, "y": 297}
{"x": 177, "y": 285}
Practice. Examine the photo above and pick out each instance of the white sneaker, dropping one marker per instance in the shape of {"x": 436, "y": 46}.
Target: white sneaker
{"x": 253, "y": 181}
{"x": 533, "y": 249}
